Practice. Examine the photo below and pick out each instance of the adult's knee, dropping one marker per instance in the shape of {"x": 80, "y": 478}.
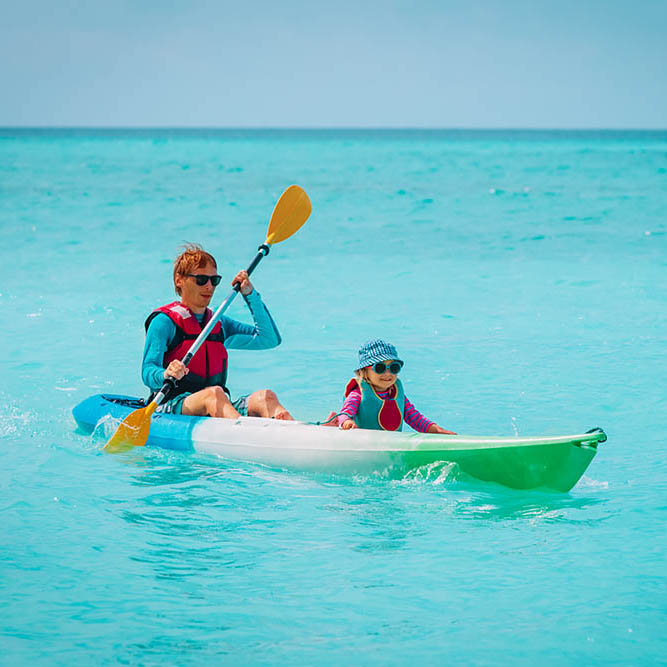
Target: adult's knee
{"x": 268, "y": 395}
{"x": 215, "y": 394}
{"x": 215, "y": 401}
{"x": 261, "y": 403}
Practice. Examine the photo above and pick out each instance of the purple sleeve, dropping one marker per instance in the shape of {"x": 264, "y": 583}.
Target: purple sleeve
{"x": 414, "y": 418}
{"x": 350, "y": 406}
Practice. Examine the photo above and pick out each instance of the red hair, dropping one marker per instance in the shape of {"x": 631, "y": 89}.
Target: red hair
{"x": 193, "y": 257}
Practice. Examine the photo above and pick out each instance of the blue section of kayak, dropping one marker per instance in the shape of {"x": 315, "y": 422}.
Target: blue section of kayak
{"x": 167, "y": 431}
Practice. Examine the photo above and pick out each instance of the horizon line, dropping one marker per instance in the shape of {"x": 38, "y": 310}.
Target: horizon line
{"x": 331, "y": 128}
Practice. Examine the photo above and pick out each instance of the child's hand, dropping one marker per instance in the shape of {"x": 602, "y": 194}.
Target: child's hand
{"x": 347, "y": 425}
{"x": 434, "y": 428}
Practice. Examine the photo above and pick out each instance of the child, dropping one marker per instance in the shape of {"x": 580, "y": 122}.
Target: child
{"x": 374, "y": 398}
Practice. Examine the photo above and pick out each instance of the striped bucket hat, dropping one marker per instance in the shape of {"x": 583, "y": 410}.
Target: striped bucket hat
{"x": 376, "y": 350}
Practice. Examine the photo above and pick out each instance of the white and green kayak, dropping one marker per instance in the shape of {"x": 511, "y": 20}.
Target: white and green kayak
{"x": 550, "y": 462}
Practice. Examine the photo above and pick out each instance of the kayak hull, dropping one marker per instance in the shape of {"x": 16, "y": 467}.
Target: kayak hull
{"x": 555, "y": 462}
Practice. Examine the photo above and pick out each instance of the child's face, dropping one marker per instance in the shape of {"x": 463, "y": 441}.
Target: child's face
{"x": 382, "y": 381}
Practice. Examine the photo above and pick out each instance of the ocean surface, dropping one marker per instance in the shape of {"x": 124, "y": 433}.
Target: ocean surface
{"x": 523, "y": 278}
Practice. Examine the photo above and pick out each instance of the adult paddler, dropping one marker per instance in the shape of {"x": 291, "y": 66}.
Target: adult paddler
{"x": 171, "y": 329}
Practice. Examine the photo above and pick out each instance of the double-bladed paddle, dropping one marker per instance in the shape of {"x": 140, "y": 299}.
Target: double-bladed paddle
{"x": 289, "y": 214}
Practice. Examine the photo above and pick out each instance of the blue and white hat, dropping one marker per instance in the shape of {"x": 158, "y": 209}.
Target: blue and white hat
{"x": 376, "y": 350}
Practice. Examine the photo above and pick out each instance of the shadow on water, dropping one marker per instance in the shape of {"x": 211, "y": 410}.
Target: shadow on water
{"x": 502, "y": 504}
{"x": 449, "y": 490}
{"x": 191, "y": 519}
{"x": 195, "y": 517}
{"x": 194, "y": 494}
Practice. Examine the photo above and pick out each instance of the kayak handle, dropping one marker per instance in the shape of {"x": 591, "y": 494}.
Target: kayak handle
{"x": 597, "y": 429}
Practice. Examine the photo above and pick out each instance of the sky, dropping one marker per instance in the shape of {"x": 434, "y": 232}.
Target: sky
{"x": 340, "y": 63}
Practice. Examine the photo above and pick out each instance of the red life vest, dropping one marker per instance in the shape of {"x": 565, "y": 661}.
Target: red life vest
{"x": 209, "y": 366}
{"x": 375, "y": 412}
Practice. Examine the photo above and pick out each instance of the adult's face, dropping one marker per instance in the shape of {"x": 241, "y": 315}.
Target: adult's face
{"x": 197, "y": 297}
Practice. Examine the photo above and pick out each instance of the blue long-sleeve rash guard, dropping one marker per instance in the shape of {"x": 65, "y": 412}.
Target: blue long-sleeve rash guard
{"x": 238, "y": 336}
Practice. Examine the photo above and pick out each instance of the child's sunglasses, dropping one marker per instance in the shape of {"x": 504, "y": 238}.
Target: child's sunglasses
{"x": 394, "y": 367}
{"x": 201, "y": 279}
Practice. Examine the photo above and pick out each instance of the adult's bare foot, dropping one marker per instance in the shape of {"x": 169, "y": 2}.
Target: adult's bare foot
{"x": 282, "y": 413}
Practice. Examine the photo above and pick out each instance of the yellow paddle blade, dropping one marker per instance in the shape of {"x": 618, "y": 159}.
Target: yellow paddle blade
{"x": 133, "y": 430}
{"x": 291, "y": 211}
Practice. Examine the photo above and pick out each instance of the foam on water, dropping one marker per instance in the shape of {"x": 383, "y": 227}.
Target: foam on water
{"x": 436, "y": 473}
{"x": 103, "y": 431}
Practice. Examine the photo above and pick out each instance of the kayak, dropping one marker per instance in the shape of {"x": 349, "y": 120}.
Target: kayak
{"x": 550, "y": 462}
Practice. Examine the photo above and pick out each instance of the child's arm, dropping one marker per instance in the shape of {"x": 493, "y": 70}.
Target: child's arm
{"x": 419, "y": 423}
{"x": 349, "y": 410}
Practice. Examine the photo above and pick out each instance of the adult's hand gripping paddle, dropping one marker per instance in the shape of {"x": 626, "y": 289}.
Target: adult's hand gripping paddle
{"x": 289, "y": 215}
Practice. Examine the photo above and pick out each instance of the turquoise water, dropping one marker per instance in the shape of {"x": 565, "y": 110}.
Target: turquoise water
{"x": 523, "y": 277}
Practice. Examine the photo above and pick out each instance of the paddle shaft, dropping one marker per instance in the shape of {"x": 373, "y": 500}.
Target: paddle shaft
{"x": 263, "y": 251}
